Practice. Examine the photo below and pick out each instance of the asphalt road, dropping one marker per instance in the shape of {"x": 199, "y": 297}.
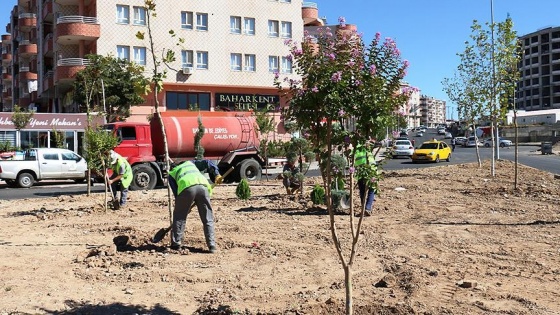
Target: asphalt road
{"x": 528, "y": 155}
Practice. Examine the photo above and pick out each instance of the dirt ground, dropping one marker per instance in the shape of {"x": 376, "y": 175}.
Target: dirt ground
{"x": 449, "y": 239}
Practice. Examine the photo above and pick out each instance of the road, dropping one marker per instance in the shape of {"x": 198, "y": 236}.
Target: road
{"x": 528, "y": 155}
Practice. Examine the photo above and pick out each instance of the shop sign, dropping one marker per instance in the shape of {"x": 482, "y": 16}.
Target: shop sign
{"x": 49, "y": 121}
{"x": 235, "y": 101}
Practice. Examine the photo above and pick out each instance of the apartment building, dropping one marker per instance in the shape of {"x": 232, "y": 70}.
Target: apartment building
{"x": 539, "y": 84}
{"x": 230, "y": 52}
{"x": 432, "y": 111}
{"x": 411, "y": 110}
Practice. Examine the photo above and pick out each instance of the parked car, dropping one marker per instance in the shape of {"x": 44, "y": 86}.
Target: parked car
{"x": 432, "y": 151}
{"x": 402, "y": 148}
{"x": 43, "y": 163}
{"x": 471, "y": 142}
{"x": 460, "y": 140}
{"x": 503, "y": 142}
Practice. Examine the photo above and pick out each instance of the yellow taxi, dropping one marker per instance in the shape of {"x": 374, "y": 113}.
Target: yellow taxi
{"x": 432, "y": 151}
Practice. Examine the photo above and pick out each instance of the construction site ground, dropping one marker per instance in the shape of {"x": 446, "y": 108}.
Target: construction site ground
{"x": 451, "y": 239}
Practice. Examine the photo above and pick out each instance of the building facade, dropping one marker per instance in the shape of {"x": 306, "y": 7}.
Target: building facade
{"x": 539, "y": 84}
{"x": 433, "y": 111}
{"x": 229, "y": 53}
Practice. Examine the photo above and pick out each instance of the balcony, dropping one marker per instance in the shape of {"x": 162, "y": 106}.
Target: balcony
{"x": 25, "y": 74}
{"x": 24, "y": 101}
{"x": 7, "y": 93}
{"x": 48, "y": 81}
{"x": 67, "y": 68}
{"x": 48, "y": 45}
{"x": 310, "y": 14}
{"x": 74, "y": 28}
{"x": 27, "y": 49}
{"x": 69, "y": 2}
{"x": 27, "y": 21}
{"x": 6, "y": 58}
{"x": 6, "y": 38}
{"x": 48, "y": 11}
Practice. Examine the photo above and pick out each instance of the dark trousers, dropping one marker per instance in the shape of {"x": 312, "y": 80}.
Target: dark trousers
{"x": 197, "y": 194}
{"x": 370, "y": 198}
{"x": 116, "y": 187}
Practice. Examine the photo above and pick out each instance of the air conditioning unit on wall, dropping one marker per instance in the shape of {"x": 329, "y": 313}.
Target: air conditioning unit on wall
{"x": 187, "y": 70}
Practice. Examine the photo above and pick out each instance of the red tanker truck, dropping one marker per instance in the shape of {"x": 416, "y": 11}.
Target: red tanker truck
{"x": 230, "y": 139}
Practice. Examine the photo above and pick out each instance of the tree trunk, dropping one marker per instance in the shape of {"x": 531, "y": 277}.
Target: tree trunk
{"x": 516, "y": 148}
{"x": 348, "y": 286}
{"x": 157, "y": 113}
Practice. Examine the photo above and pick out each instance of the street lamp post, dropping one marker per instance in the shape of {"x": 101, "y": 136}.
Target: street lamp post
{"x": 496, "y": 151}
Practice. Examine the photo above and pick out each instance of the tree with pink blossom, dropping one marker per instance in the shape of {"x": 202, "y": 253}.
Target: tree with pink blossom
{"x": 346, "y": 96}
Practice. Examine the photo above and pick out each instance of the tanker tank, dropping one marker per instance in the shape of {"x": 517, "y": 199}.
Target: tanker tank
{"x": 224, "y": 132}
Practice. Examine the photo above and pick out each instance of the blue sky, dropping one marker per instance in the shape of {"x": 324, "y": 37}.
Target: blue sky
{"x": 429, "y": 33}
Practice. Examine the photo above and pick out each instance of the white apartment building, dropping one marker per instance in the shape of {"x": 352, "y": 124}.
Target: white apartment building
{"x": 433, "y": 111}
{"x": 230, "y": 52}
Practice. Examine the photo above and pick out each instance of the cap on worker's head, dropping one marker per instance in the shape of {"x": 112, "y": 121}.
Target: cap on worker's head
{"x": 114, "y": 157}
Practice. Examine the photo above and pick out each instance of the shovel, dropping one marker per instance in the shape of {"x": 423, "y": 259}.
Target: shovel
{"x": 160, "y": 234}
{"x": 114, "y": 201}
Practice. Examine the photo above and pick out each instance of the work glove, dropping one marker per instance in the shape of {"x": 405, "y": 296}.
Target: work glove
{"x": 219, "y": 180}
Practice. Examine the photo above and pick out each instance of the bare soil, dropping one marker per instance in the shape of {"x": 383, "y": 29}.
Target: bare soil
{"x": 449, "y": 239}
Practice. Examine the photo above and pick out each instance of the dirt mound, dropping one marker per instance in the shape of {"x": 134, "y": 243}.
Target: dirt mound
{"x": 451, "y": 239}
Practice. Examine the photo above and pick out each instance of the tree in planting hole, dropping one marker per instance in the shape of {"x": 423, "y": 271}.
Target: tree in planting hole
{"x": 345, "y": 97}
{"x": 156, "y": 80}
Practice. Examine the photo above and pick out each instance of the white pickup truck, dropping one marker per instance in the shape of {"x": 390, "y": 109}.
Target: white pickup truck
{"x": 43, "y": 163}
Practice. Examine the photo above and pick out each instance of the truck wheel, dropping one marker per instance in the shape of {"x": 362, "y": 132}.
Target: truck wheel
{"x": 143, "y": 177}
{"x": 25, "y": 180}
{"x": 250, "y": 169}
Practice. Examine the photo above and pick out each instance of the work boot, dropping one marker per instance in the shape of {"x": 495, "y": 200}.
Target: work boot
{"x": 212, "y": 249}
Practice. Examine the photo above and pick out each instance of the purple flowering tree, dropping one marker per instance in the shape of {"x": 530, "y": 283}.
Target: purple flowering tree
{"x": 346, "y": 96}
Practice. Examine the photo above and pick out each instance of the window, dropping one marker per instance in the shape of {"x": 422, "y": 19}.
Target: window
{"x": 187, "y": 20}
{"x": 123, "y": 52}
{"x": 70, "y": 156}
{"x": 286, "y": 65}
{"x": 286, "y": 29}
{"x": 235, "y": 62}
{"x": 202, "y": 21}
{"x": 235, "y": 24}
{"x": 249, "y": 28}
{"x": 272, "y": 28}
{"x": 187, "y": 100}
{"x": 123, "y": 14}
{"x": 126, "y": 133}
{"x": 273, "y": 64}
{"x": 8, "y": 136}
{"x": 140, "y": 55}
{"x": 139, "y": 16}
{"x": 50, "y": 156}
{"x": 249, "y": 62}
{"x": 202, "y": 60}
{"x": 187, "y": 58}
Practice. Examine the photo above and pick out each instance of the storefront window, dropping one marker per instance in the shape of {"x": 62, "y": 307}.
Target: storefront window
{"x": 81, "y": 136}
{"x": 34, "y": 139}
{"x": 188, "y": 101}
{"x": 7, "y": 138}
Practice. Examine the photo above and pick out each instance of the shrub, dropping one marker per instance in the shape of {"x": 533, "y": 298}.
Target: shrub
{"x": 243, "y": 191}
{"x": 318, "y": 195}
